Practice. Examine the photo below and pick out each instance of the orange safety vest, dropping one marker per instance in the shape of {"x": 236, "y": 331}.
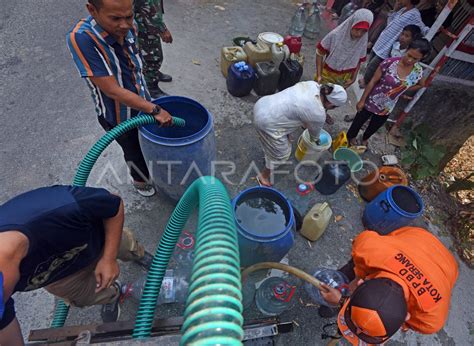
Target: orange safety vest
{"x": 419, "y": 262}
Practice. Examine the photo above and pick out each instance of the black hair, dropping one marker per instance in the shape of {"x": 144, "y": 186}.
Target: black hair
{"x": 414, "y": 2}
{"x": 415, "y": 31}
{"x": 325, "y": 90}
{"x": 422, "y": 45}
{"x": 96, "y": 3}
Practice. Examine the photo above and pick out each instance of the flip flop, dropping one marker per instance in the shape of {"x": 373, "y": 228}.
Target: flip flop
{"x": 359, "y": 149}
{"x": 260, "y": 182}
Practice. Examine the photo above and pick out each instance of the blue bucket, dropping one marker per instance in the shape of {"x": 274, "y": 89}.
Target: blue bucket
{"x": 176, "y": 156}
{"x": 257, "y": 246}
{"x": 392, "y": 209}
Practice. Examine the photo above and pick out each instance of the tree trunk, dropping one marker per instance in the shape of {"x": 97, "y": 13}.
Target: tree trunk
{"x": 448, "y": 109}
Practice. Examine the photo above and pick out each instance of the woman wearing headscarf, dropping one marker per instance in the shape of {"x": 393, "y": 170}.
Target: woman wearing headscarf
{"x": 278, "y": 115}
{"x": 341, "y": 52}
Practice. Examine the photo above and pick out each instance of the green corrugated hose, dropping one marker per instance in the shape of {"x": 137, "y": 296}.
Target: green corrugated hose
{"x": 93, "y": 154}
{"x": 213, "y": 308}
{"x": 62, "y": 310}
{"x": 213, "y": 312}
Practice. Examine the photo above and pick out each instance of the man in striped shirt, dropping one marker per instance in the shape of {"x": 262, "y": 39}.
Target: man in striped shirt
{"x": 104, "y": 49}
{"x": 407, "y": 15}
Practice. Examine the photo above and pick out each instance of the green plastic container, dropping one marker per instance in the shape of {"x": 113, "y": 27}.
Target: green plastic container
{"x": 241, "y": 40}
{"x": 350, "y": 156}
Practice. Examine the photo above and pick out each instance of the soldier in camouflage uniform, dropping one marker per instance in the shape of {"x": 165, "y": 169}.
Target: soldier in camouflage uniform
{"x": 151, "y": 30}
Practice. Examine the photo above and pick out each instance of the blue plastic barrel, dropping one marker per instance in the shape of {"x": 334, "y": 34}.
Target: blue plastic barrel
{"x": 258, "y": 245}
{"x": 176, "y": 156}
{"x": 392, "y": 209}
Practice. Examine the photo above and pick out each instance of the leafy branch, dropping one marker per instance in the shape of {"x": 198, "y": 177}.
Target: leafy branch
{"x": 421, "y": 155}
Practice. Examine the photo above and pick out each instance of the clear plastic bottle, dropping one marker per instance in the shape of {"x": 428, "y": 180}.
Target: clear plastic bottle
{"x": 174, "y": 289}
{"x": 313, "y": 24}
{"x": 298, "y": 22}
{"x": 330, "y": 277}
{"x": 322, "y": 3}
{"x": 275, "y": 295}
{"x": 346, "y": 12}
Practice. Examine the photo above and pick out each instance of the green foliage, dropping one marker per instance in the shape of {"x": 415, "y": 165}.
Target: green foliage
{"x": 420, "y": 155}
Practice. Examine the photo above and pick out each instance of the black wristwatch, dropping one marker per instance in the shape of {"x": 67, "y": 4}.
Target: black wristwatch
{"x": 342, "y": 300}
{"x": 156, "y": 110}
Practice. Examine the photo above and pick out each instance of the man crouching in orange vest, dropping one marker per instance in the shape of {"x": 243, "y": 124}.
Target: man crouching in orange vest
{"x": 399, "y": 280}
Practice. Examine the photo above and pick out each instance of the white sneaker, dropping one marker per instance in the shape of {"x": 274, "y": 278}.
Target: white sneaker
{"x": 145, "y": 190}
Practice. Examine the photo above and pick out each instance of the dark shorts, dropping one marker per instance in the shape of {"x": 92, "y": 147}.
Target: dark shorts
{"x": 8, "y": 313}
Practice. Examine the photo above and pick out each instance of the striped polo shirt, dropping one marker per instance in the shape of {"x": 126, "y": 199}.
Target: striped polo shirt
{"x": 395, "y": 24}
{"x": 98, "y": 54}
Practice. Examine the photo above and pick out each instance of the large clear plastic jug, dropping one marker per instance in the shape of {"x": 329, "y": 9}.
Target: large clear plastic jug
{"x": 275, "y": 295}
{"x": 173, "y": 288}
{"x": 330, "y": 277}
{"x": 316, "y": 221}
{"x": 298, "y": 22}
{"x": 313, "y": 24}
{"x": 346, "y": 12}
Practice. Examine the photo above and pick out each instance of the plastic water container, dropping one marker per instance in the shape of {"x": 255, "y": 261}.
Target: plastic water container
{"x": 380, "y": 180}
{"x": 257, "y": 243}
{"x": 316, "y": 221}
{"x": 394, "y": 208}
{"x": 241, "y": 40}
{"x": 280, "y": 52}
{"x": 340, "y": 141}
{"x": 298, "y": 57}
{"x": 310, "y": 151}
{"x": 178, "y": 156}
{"x": 298, "y": 22}
{"x": 275, "y": 295}
{"x": 294, "y": 43}
{"x": 346, "y": 12}
{"x": 240, "y": 79}
{"x": 332, "y": 177}
{"x": 266, "y": 78}
{"x": 231, "y": 55}
{"x": 313, "y": 24}
{"x": 257, "y": 53}
{"x": 173, "y": 289}
{"x": 269, "y": 39}
{"x": 350, "y": 156}
{"x": 290, "y": 74}
{"x": 330, "y": 277}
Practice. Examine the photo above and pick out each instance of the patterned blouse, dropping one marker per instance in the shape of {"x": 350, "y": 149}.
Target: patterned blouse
{"x": 385, "y": 94}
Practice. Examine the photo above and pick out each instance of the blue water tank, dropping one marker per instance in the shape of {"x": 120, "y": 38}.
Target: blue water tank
{"x": 240, "y": 79}
{"x": 264, "y": 245}
{"x": 392, "y": 209}
{"x": 177, "y": 156}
